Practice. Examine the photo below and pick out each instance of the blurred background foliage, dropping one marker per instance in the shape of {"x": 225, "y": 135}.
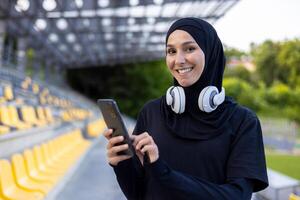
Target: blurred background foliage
{"x": 272, "y": 87}
{"x": 130, "y": 85}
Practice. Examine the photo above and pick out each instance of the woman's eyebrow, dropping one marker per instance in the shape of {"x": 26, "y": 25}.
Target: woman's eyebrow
{"x": 185, "y": 43}
{"x": 188, "y": 42}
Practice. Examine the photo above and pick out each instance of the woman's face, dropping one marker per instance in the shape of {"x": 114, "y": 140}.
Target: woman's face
{"x": 185, "y": 59}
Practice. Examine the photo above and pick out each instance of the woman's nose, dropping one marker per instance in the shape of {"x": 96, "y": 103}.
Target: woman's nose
{"x": 180, "y": 59}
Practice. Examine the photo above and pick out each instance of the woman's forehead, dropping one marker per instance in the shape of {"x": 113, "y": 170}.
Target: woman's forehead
{"x": 180, "y": 37}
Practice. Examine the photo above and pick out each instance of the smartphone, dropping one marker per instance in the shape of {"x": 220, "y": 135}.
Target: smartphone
{"x": 113, "y": 120}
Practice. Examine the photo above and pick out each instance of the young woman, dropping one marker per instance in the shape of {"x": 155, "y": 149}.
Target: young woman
{"x": 198, "y": 143}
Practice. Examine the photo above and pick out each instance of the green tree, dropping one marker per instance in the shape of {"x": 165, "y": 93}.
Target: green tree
{"x": 243, "y": 93}
{"x": 239, "y": 72}
{"x": 144, "y": 81}
{"x": 265, "y": 58}
{"x": 289, "y": 62}
{"x": 130, "y": 85}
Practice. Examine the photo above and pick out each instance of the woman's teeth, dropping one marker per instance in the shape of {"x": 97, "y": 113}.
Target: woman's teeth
{"x": 182, "y": 71}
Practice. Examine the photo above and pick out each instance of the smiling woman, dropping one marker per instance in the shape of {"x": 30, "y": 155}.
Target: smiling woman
{"x": 185, "y": 59}
{"x": 192, "y": 143}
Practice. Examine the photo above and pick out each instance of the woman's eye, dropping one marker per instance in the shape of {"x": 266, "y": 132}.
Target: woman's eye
{"x": 190, "y": 49}
{"x": 171, "y": 51}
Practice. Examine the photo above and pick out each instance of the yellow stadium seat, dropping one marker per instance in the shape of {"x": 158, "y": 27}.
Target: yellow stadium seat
{"x": 29, "y": 116}
{"x": 41, "y": 164}
{"x": 9, "y": 188}
{"x": 22, "y": 178}
{"x": 41, "y": 114}
{"x": 65, "y": 115}
{"x": 42, "y": 100}
{"x": 8, "y": 92}
{"x": 50, "y": 99}
{"x": 25, "y": 84}
{"x": 294, "y": 197}
{"x": 5, "y": 117}
{"x": 33, "y": 171}
{"x": 96, "y": 127}
{"x": 4, "y": 129}
{"x": 35, "y": 88}
{"x": 49, "y": 115}
{"x": 9, "y": 117}
{"x": 71, "y": 150}
{"x": 14, "y": 117}
{"x": 58, "y": 156}
{"x": 50, "y": 161}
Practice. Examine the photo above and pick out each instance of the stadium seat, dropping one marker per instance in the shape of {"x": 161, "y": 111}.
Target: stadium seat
{"x": 48, "y": 114}
{"x": 25, "y": 84}
{"x": 4, "y": 129}
{"x": 6, "y": 120}
{"x": 294, "y": 197}
{"x": 22, "y": 178}
{"x": 29, "y": 116}
{"x": 41, "y": 164}
{"x": 41, "y": 114}
{"x": 13, "y": 114}
{"x": 35, "y": 88}
{"x": 50, "y": 161}
{"x": 8, "y": 92}
{"x": 9, "y": 188}
{"x": 96, "y": 127}
{"x": 33, "y": 172}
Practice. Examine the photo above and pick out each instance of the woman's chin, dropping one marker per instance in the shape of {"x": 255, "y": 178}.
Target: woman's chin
{"x": 184, "y": 83}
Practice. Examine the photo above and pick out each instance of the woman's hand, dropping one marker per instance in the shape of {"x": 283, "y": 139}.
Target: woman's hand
{"x": 113, "y": 148}
{"x": 144, "y": 143}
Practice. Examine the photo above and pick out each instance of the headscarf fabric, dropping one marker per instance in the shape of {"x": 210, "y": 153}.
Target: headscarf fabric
{"x": 194, "y": 123}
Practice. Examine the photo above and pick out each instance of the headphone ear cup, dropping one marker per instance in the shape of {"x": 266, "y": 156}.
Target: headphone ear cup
{"x": 219, "y": 98}
{"x": 169, "y": 97}
{"x": 178, "y": 99}
{"x": 205, "y": 100}
{"x": 175, "y": 98}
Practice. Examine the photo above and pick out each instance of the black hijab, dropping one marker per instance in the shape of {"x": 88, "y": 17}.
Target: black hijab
{"x": 194, "y": 123}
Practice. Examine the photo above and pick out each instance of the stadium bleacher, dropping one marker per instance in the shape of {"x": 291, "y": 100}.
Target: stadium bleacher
{"x": 43, "y": 133}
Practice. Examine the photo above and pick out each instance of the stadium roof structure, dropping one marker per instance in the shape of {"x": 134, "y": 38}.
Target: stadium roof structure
{"x": 78, "y": 33}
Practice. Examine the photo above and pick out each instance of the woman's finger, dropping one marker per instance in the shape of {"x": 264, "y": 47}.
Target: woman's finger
{"x": 139, "y": 137}
{"x": 108, "y": 133}
{"x": 115, "y": 160}
{"x": 145, "y": 141}
{"x": 147, "y": 148}
{"x": 116, "y": 149}
{"x": 113, "y": 141}
{"x": 152, "y": 152}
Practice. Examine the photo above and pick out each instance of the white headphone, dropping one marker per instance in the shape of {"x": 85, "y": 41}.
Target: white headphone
{"x": 208, "y": 100}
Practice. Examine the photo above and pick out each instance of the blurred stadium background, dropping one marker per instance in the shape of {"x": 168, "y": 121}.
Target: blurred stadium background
{"x": 57, "y": 57}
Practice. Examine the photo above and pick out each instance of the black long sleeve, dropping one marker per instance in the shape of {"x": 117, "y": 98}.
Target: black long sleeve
{"x": 182, "y": 186}
{"x": 131, "y": 178}
{"x": 176, "y": 185}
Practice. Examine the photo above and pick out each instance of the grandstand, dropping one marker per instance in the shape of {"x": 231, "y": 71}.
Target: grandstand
{"x": 50, "y": 143}
{"x": 42, "y": 129}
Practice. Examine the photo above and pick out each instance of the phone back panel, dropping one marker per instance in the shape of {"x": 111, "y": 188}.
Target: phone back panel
{"x": 113, "y": 120}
